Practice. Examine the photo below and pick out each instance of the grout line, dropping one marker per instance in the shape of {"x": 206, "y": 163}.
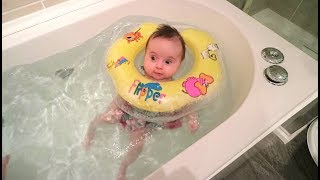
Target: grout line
{"x": 43, "y": 4}
{"x": 19, "y": 8}
{"x": 247, "y": 5}
{"x": 311, "y": 49}
{"x": 295, "y": 10}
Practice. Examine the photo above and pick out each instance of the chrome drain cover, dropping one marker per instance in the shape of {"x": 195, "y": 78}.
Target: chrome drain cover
{"x": 272, "y": 55}
{"x": 276, "y": 75}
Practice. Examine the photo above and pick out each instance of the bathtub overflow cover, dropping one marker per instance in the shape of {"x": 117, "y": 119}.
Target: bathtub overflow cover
{"x": 272, "y": 55}
{"x": 276, "y": 75}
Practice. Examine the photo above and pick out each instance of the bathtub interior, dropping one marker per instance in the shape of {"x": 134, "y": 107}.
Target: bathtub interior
{"x": 57, "y": 45}
{"x": 237, "y": 53}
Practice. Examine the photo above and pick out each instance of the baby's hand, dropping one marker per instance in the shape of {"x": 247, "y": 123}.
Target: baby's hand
{"x": 193, "y": 123}
{"x": 86, "y": 143}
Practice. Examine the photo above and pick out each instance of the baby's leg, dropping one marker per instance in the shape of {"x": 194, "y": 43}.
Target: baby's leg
{"x": 193, "y": 123}
{"x": 173, "y": 124}
{"x": 137, "y": 138}
{"x": 111, "y": 115}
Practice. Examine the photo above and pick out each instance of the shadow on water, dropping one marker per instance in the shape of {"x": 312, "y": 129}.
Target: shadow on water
{"x": 64, "y": 73}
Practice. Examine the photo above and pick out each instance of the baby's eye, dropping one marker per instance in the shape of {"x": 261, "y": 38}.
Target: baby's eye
{"x": 168, "y": 61}
{"x": 153, "y": 58}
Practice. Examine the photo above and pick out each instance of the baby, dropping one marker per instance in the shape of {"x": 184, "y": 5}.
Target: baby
{"x": 164, "y": 52}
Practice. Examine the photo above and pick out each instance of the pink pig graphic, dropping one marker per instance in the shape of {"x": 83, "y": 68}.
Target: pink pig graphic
{"x": 197, "y": 86}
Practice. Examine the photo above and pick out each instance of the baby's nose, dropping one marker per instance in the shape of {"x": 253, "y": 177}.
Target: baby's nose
{"x": 159, "y": 65}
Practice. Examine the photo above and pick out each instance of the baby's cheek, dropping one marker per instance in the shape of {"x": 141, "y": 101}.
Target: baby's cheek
{"x": 147, "y": 71}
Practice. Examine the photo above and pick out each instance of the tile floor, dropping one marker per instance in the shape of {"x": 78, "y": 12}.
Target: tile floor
{"x": 270, "y": 159}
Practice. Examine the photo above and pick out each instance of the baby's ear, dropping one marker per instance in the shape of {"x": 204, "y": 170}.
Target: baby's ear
{"x": 142, "y": 70}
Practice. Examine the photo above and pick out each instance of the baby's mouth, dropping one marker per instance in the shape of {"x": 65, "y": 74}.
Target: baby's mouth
{"x": 157, "y": 73}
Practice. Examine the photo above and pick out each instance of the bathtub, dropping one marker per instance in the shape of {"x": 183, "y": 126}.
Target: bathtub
{"x": 258, "y": 106}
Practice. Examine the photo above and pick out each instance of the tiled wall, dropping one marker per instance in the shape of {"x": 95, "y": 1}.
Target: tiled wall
{"x": 303, "y": 13}
{"x": 12, "y": 9}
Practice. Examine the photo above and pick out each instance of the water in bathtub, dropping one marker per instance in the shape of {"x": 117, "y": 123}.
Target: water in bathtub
{"x": 47, "y": 106}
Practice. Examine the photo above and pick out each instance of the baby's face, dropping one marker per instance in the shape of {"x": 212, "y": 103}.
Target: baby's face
{"x": 162, "y": 58}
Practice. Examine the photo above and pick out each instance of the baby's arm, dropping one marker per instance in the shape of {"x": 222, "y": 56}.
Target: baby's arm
{"x": 193, "y": 123}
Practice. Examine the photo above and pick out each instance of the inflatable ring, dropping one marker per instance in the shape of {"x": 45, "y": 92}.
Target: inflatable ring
{"x": 169, "y": 96}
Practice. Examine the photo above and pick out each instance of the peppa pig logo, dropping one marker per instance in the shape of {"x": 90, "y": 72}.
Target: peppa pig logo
{"x": 196, "y": 87}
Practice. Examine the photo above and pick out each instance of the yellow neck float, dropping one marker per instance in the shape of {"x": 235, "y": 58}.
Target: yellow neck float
{"x": 169, "y": 96}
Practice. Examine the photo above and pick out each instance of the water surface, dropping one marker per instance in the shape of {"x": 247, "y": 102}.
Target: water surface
{"x": 45, "y": 116}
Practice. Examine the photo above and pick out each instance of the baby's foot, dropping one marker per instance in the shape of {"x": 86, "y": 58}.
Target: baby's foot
{"x": 121, "y": 174}
{"x": 193, "y": 125}
{"x": 86, "y": 143}
{"x": 5, "y": 161}
{"x": 121, "y": 177}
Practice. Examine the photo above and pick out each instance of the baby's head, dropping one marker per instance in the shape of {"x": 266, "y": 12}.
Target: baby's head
{"x": 165, "y": 50}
